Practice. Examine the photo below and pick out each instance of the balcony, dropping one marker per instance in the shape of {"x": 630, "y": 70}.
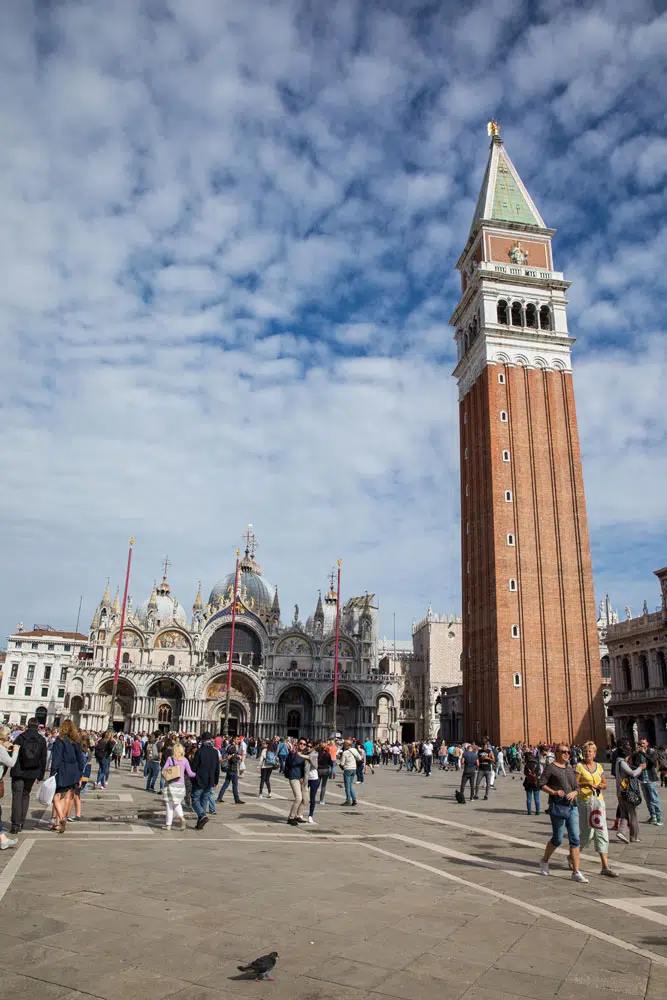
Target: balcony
{"x": 633, "y": 698}
{"x": 634, "y": 626}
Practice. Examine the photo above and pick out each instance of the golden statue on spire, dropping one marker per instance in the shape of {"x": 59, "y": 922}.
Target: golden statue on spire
{"x": 493, "y": 129}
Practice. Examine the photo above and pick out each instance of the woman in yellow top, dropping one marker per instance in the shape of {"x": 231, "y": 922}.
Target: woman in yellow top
{"x": 592, "y": 783}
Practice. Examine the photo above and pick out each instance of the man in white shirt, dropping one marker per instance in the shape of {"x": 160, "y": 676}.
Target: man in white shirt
{"x": 348, "y": 763}
{"x": 427, "y": 757}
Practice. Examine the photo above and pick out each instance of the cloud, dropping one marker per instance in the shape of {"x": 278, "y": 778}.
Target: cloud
{"x": 228, "y": 236}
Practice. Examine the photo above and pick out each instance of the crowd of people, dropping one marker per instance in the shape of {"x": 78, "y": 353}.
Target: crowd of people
{"x": 187, "y": 770}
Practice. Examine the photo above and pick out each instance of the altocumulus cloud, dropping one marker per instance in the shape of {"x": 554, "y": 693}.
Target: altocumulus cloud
{"x": 228, "y": 237}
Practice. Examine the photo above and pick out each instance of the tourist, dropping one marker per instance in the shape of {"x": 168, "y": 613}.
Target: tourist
{"x": 206, "y": 767}
{"x": 85, "y": 779}
{"x": 560, "y": 783}
{"x": 500, "y": 762}
{"x": 152, "y": 758}
{"x": 268, "y": 760}
{"x": 592, "y": 813}
{"x": 314, "y": 779}
{"x": 334, "y": 750}
{"x": 174, "y": 787}
{"x": 324, "y": 764}
{"x": 443, "y": 756}
{"x": 296, "y": 763}
{"x": 117, "y": 754}
{"x": 486, "y": 762}
{"x": 531, "y": 784}
{"x": 136, "y": 751}
{"x": 9, "y": 754}
{"x": 648, "y": 780}
{"x": 359, "y": 746}
{"x": 104, "y": 748}
{"x": 29, "y": 768}
{"x": 231, "y": 759}
{"x": 67, "y": 764}
{"x": 369, "y": 751}
{"x": 628, "y": 791}
{"x": 349, "y": 763}
{"x": 427, "y": 757}
{"x": 283, "y": 750}
{"x": 470, "y": 759}
{"x": 662, "y": 765}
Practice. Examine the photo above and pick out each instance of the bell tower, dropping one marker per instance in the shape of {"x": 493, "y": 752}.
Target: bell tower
{"x": 531, "y": 665}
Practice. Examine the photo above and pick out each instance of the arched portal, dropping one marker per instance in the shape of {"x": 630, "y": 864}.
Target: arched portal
{"x": 247, "y": 645}
{"x": 242, "y": 709}
{"x": 123, "y": 709}
{"x": 166, "y": 704}
{"x": 40, "y": 715}
{"x": 75, "y": 707}
{"x": 295, "y": 711}
{"x": 349, "y": 713}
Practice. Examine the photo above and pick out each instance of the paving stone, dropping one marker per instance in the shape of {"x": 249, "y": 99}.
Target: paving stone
{"x": 344, "y": 972}
{"x": 535, "y": 987}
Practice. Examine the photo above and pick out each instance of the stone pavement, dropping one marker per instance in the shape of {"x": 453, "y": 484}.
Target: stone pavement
{"x": 409, "y": 896}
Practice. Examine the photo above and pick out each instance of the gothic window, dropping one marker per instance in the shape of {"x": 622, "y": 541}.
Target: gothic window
{"x": 510, "y": 539}
{"x": 643, "y": 669}
{"x": 293, "y": 665}
{"x": 531, "y": 316}
{"x": 545, "y": 318}
{"x": 164, "y": 713}
{"x": 502, "y": 312}
{"x": 503, "y": 416}
{"x": 293, "y": 719}
{"x": 512, "y": 585}
{"x": 662, "y": 668}
{"x": 517, "y": 314}
{"x": 515, "y": 631}
{"x": 126, "y": 657}
{"x": 171, "y": 660}
{"x": 508, "y": 496}
{"x": 627, "y": 674}
{"x": 606, "y": 670}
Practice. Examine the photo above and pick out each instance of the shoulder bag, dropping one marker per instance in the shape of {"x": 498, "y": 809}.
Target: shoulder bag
{"x": 171, "y": 772}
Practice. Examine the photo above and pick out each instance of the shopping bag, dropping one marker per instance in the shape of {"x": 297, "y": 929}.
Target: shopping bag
{"x": 597, "y": 816}
{"x": 47, "y": 790}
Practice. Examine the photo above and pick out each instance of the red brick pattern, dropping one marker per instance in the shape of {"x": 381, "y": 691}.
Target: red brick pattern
{"x": 555, "y": 653}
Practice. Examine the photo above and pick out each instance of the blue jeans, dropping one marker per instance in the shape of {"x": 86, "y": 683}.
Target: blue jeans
{"x": 558, "y": 825}
{"x": 152, "y": 773}
{"x": 652, "y": 798}
{"x": 533, "y": 794}
{"x": 348, "y": 778}
{"x": 313, "y": 787}
{"x": 233, "y": 778}
{"x": 200, "y": 800}
{"x": 103, "y": 771}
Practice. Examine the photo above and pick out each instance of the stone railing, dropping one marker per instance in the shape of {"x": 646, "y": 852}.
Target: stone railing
{"x": 644, "y": 694}
{"x": 642, "y": 623}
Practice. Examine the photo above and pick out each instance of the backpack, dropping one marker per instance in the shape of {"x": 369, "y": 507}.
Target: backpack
{"x": 270, "y": 758}
{"x": 29, "y": 755}
{"x": 100, "y": 751}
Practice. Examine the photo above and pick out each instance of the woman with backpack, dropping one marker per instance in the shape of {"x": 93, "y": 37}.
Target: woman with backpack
{"x": 531, "y": 784}
{"x": 628, "y": 792}
{"x": 103, "y": 751}
{"x": 267, "y": 762}
{"x": 67, "y": 765}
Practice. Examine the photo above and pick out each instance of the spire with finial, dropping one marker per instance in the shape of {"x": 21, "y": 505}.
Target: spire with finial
{"x": 164, "y": 589}
{"x": 199, "y": 604}
{"x": 275, "y": 606}
{"x": 152, "y": 603}
{"x": 116, "y": 603}
{"x": 319, "y": 610}
{"x": 332, "y": 597}
{"x": 106, "y": 600}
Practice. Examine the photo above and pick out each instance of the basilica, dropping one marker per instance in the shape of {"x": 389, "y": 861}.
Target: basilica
{"x": 174, "y": 665}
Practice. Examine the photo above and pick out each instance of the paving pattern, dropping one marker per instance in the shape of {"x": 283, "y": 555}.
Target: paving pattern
{"x": 407, "y": 896}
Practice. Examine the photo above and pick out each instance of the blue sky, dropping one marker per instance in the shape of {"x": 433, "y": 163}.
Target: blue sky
{"x": 228, "y": 241}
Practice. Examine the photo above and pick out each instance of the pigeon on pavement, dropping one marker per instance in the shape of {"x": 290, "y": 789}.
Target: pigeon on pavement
{"x": 261, "y": 966}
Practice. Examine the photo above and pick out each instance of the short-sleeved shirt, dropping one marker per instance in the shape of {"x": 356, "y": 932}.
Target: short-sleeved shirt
{"x": 588, "y": 780}
{"x": 560, "y": 778}
{"x": 470, "y": 758}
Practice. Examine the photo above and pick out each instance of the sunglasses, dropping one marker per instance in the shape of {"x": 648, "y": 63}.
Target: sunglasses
{"x": 565, "y": 753}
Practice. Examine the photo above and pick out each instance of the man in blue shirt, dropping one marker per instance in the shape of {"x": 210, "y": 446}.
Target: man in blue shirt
{"x": 369, "y": 750}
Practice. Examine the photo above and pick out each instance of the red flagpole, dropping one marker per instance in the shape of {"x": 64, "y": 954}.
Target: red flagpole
{"x": 231, "y": 645}
{"x": 335, "y": 690}
{"x": 114, "y": 689}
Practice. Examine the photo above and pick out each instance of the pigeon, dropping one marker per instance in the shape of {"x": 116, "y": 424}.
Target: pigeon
{"x": 261, "y": 966}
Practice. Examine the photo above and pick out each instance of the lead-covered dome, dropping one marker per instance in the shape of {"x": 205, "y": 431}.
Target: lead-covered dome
{"x": 163, "y": 606}
{"x": 252, "y": 585}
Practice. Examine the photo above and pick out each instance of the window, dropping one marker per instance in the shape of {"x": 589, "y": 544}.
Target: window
{"x": 662, "y": 668}
{"x": 643, "y": 670}
{"x": 24, "y": 719}
{"x": 15, "y": 671}
{"x": 63, "y": 674}
{"x": 126, "y": 657}
{"x": 45, "y": 692}
{"x": 506, "y": 456}
{"x": 517, "y": 680}
{"x": 34, "y": 645}
{"x": 67, "y": 648}
{"x": 510, "y": 539}
{"x": 61, "y": 692}
{"x": 545, "y": 318}
{"x": 28, "y": 691}
{"x": 502, "y": 312}
{"x": 465, "y": 453}
{"x": 50, "y": 646}
{"x": 508, "y": 496}
{"x": 604, "y": 665}
{"x": 517, "y": 314}
{"x": 31, "y": 672}
{"x": 513, "y": 585}
{"x": 515, "y": 631}
{"x": 11, "y": 688}
{"x": 626, "y": 673}
{"x": 501, "y": 378}
{"x": 171, "y": 660}
{"x": 18, "y": 645}
{"x": 503, "y": 416}
{"x": 531, "y": 316}
{"x": 47, "y": 671}
{"x": 293, "y": 665}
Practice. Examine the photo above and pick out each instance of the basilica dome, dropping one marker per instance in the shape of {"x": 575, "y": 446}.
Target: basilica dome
{"x": 251, "y": 585}
{"x": 163, "y": 606}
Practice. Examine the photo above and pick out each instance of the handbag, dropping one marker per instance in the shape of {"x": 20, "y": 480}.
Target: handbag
{"x": 597, "y": 814}
{"x": 560, "y": 808}
{"x": 171, "y": 772}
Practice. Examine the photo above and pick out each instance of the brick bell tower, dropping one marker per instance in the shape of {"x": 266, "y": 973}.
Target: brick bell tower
{"x": 531, "y": 663}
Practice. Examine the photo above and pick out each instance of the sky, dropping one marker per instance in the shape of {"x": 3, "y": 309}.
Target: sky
{"x": 228, "y": 242}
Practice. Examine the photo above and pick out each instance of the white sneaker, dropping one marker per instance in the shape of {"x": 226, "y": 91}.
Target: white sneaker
{"x": 310, "y": 819}
{"x": 260, "y": 796}
{"x": 578, "y": 877}
{"x": 621, "y": 836}
{"x": 544, "y": 868}
{"x": 268, "y": 795}
{"x": 8, "y": 842}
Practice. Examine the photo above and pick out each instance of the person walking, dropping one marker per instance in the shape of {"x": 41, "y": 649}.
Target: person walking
{"x": 427, "y": 757}
{"x": 648, "y": 780}
{"x": 104, "y": 748}
{"x": 29, "y": 768}
{"x": 314, "y": 779}
{"x": 117, "y": 753}
{"x": 662, "y": 764}
{"x": 232, "y": 759}
{"x": 174, "y": 788}
{"x": 9, "y": 754}
{"x": 500, "y": 762}
{"x": 590, "y": 803}
{"x": 136, "y": 750}
{"x": 67, "y": 765}
{"x": 267, "y": 762}
{"x": 206, "y": 767}
{"x": 85, "y": 779}
{"x": 470, "y": 760}
{"x": 349, "y": 763}
{"x": 152, "y": 757}
{"x": 296, "y": 764}
{"x": 283, "y": 751}
{"x": 560, "y": 783}
{"x": 486, "y": 762}
{"x": 628, "y": 791}
{"x": 369, "y": 751}
{"x": 324, "y": 765}
{"x": 531, "y": 784}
